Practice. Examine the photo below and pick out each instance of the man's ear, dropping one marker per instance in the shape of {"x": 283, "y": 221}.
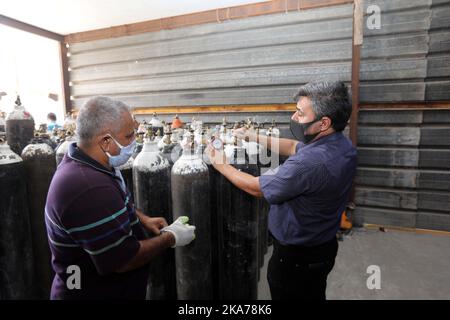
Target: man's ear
{"x": 326, "y": 123}
{"x": 104, "y": 142}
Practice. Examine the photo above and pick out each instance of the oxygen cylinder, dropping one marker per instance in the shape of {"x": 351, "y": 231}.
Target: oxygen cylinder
{"x": 2, "y": 122}
{"x": 62, "y": 149}
{"x": 151, "y": 177}
{"x": 16, "y": 254}
{"x": 69, "y": 122}
{"x": 177, "y": 130}
{"x": 142, "y": 128}
{"x": 273, "y": 130}
{"x": 191, "y": 197}
{"x": 126, "y": 171}
{"x": 55, "y": 138}
{"x": 47, "y": 140}
{"x": 253, "y": 150}
{"x": 169, "y": 149}
{"x": 39, "y": 163}
{"x": 266, "y": 157}
{"x": 156, "y": 124}
{"x": 176, "y": 123}
{"x": 45, "y": 136}
{"x": 139, "y": 145}
{"x": 177, "y": 135}
{"x": 19, "y": 128}
{"x": 238, "y": 234}
{"x": 263, "y": 165}
{"x": 214, "y": 176}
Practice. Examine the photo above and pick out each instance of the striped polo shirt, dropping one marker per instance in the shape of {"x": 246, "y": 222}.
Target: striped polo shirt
{"x": 92, "y": 227}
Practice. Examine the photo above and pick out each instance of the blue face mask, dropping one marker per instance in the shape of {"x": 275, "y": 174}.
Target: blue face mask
{"x": 124, "y": 155}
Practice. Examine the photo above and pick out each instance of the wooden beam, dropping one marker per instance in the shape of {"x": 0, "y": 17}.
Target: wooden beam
{"x": 282, "y": 108}
{"x": 216, "y": 109}
{"x": 356, "y": 62}
{"x": 210, "y": 16}
{"x": 406, "y": 105}
{"x": 65, "y": 76}
{"x": 29, "y": 28}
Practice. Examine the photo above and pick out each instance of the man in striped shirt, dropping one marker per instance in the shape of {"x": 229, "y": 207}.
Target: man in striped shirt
{"x": 96, "y": 235}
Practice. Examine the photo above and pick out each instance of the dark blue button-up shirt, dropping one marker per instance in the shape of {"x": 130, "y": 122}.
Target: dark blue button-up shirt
{"x": 310, "y": 191}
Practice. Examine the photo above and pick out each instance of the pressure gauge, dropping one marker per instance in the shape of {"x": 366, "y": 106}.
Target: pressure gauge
{"x": 217, "y": 144}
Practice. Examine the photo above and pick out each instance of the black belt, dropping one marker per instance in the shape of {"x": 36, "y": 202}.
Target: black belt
{"x": 303, "y": 254}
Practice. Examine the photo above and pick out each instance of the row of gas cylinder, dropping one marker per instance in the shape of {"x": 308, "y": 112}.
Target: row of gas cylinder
{"x": 176, "y": 179}
{"x": 19, "y": 130}
{"x": 27, "y": 165}
{"x": 169, "y": 176}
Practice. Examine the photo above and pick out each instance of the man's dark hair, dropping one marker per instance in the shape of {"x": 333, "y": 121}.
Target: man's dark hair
{"x": 51, "y": 116}
{"x": 328, "y": 99}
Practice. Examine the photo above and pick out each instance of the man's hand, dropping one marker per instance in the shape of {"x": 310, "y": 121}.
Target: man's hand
{"x": 182, "y": 231}
{"x": 244, "y": 134}
{"x": 215, "y": 156}
{"x": 154, "y": 225}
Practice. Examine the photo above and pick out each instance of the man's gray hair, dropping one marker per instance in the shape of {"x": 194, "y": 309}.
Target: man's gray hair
{"x": 328, "y": 99}
{"x": 98, "y": 115}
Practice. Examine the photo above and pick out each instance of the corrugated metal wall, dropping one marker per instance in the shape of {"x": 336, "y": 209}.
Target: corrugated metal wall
{"x": 404, "y": 156}
{"x": 438, "y": 69}
{"x": 259, "y": 60}
{"x": 408, "y": 58}
{"x": 394, "y": 57}
{"x": 404, "y": 168}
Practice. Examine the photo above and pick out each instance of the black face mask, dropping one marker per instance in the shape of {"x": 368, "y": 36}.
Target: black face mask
{"x": 298, "y": 131}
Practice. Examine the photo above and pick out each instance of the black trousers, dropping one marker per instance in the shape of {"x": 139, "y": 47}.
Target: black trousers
{"x": 296, "y": 272}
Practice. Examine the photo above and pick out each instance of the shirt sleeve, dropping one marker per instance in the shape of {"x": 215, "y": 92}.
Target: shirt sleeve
{"x": 99, "y": 223}
{"x": 290, "y": 180}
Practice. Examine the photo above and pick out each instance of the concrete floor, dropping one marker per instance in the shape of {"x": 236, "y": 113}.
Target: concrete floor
{"x": 413, "y": 266}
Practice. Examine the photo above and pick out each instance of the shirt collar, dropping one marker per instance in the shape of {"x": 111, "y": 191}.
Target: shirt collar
{"x": 77, "y": 154}
{"x": 329, "y": 138}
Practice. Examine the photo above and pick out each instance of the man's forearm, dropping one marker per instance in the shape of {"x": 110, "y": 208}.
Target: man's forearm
{"x": 140, "y": 215}
{"x": 149, "y": 249}
{"x": 244, "y": 181}
{"x": 285, "y": 147}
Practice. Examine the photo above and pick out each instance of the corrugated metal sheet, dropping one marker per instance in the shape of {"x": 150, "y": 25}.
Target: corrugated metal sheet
{"x": 262, "y": 60}
{"x": 438, "y": 71}
{"x": 408, "y": 58}
{"x": 394, "y": 57}
{"x": 259, "y": 60}
{"x": 404, "y": 156}
{"x": 404, "y": 168}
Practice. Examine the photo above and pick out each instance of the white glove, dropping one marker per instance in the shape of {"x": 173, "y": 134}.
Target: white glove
{"x": 182, "y": 231}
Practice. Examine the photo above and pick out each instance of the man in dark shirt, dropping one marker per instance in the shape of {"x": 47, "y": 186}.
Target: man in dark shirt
{"x": 307, "y": 194}
{"x": 96, "y": 235}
